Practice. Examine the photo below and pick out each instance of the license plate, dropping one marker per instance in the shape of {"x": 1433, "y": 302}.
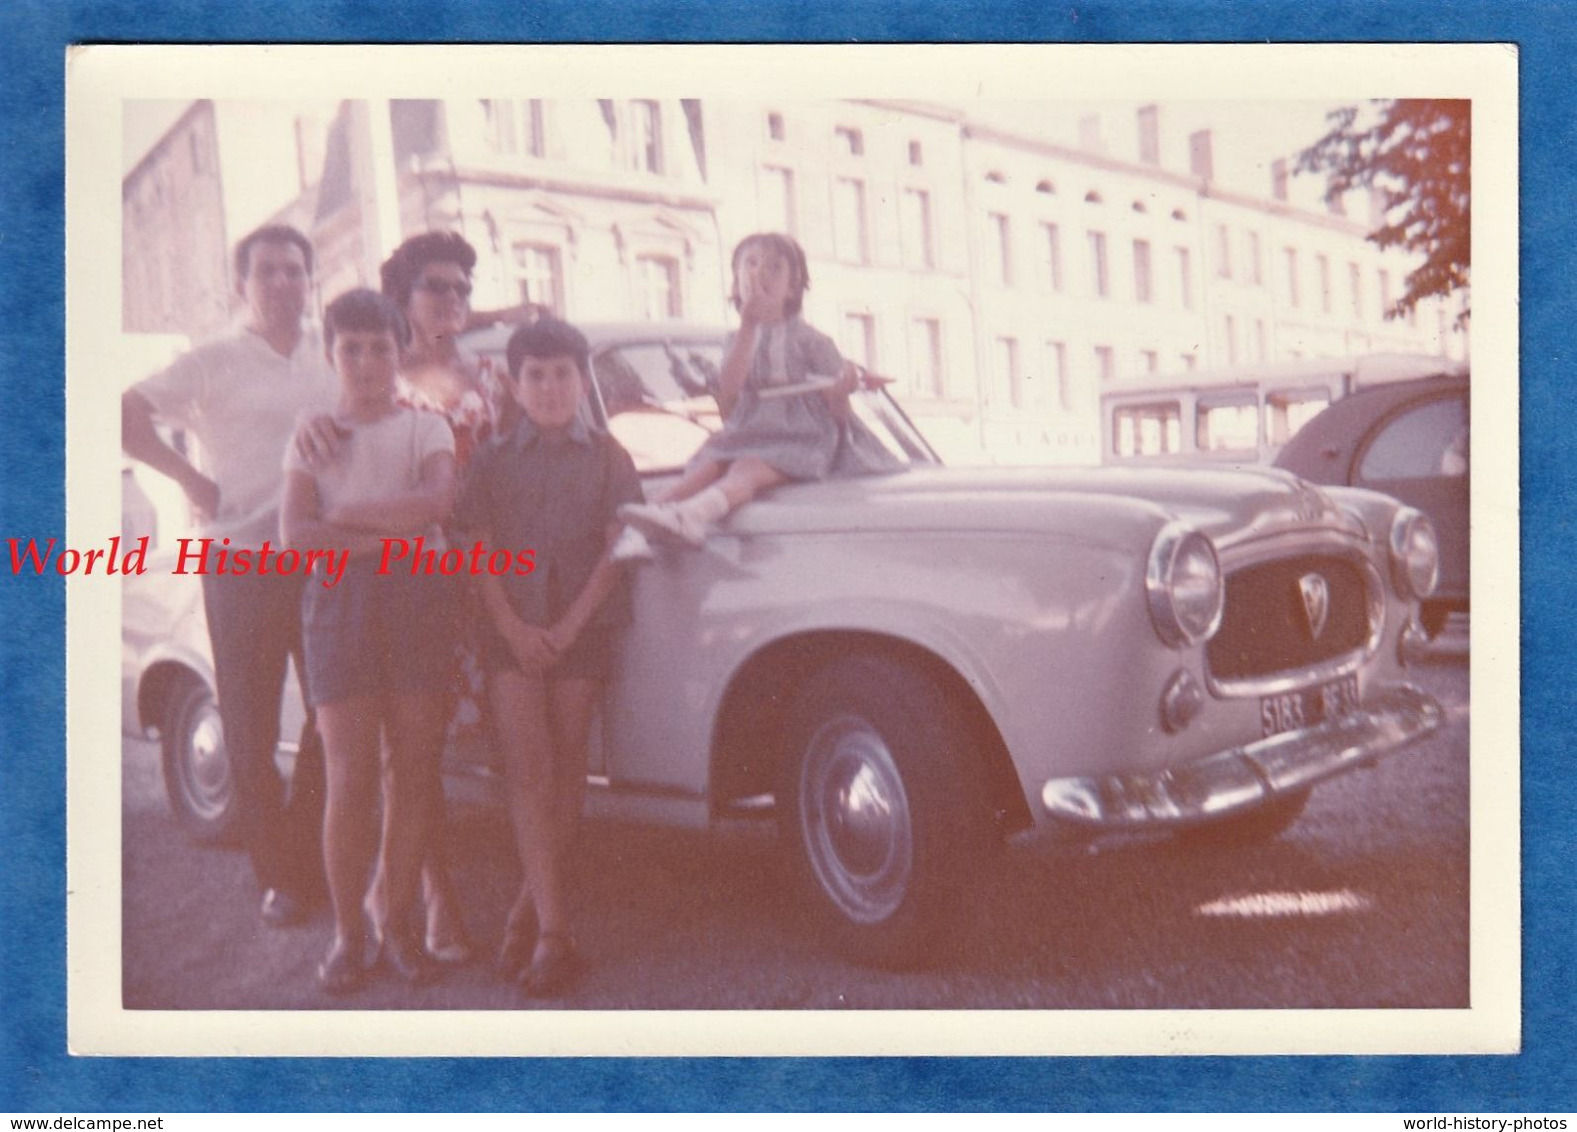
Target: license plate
{"x": 1292, "y": 711}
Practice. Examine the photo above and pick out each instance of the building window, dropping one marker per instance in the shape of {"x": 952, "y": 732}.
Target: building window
{"x": 850, "y": 141}
{"x": 1190, "y": 361}
{"x": 1261, "y": 344}
{"x": 1229, "y": 332}
{"x": 657, "y": 288}
{"x": 1150, "y": 135}
{"x": 648, "y": 153}
{"x": 1052, "y": 245}
{"x": 1105, "y": 364}
{"x": 848, "y": 219}
{"x": 539, "y": 276}
{"x": 1223, "y": 252}
{"x": 1278, "y": 179}
{"x": 1385, "y": 292}
{"x": 1293, "y": 294}
{"x": 1100, "y": 284}
{"x": 916, "y": 154}
{"x": 1008, "y": 377}
{"x": 915, "y": 217}
{"x": 1149, "y": 361}
{"x": 499, "y": 126}
{"x": 859, "y": 339}
{"x": 1323, "y": 264}
{"x": 1256, "y": 272}
{"x": 777, "y": 199}
{"x": 1057, "y": 367}
{"x": 1142, "y": 288}
{"x": 1355, "y": 286}
{"x": 775, "y": 126}
{"x": 1185, "y": 278}
{"x": 925, "y": 356}
{"x": 1001, "y": 245}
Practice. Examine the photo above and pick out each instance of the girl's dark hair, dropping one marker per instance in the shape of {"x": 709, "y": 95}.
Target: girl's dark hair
{"x": 401, "y": 270}
{"x": 546, "y": 338}
{"x": 363, "y": 310}
{"x": 785, "y": 246}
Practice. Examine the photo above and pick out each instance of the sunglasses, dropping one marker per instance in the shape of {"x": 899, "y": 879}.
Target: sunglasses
{"x": 460, "y": 287}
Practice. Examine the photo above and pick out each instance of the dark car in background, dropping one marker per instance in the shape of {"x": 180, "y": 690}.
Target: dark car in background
{"x": 1409, "y": 440}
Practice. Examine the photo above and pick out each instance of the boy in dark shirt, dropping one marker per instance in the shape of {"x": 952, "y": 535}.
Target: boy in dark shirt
{"x": 552, "y": 486}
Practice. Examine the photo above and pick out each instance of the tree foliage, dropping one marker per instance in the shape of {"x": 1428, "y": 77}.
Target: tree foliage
{"x": 1417, "y": 154}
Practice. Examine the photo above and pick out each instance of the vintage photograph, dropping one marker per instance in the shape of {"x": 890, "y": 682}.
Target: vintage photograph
{"x": 710, "y": 557}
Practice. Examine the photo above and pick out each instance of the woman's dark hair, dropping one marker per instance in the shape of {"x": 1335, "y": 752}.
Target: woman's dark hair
{"x": 270, "y": 234}
{"x": 401, "y": 270}
{"x": 546, "y": 338}
{"x": 363, "y": 310}
{"x": 785, "y": 246}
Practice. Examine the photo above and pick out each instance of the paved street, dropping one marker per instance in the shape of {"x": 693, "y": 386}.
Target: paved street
{"x": 1364, "y": 903}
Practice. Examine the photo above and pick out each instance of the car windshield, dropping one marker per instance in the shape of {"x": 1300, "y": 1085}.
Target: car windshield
{"x": 658, "y": 398}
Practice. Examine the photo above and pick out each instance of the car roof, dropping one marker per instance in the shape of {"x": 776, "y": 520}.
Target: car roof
{"x": 1325, "y": 445}
{"x": 1365, "y": 371}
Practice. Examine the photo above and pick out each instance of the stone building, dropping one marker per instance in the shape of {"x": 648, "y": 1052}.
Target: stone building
{"x": 1006, "y": 265}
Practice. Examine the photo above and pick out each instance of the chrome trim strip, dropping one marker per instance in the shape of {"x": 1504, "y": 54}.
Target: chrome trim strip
{"x": 1248, "y": 776}
{"x": 1345, "y": 664}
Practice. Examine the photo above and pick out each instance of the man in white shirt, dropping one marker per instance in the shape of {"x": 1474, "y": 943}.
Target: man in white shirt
{"x": 241, "y": 397}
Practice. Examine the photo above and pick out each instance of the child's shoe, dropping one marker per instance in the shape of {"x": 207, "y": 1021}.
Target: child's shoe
{"x": 665, "y": 520}
{"x": 631, "y": 546}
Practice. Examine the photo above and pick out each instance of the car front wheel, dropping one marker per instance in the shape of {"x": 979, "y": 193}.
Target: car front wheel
{"x": 196, "y": 765}
{"x": 884, "y": 810}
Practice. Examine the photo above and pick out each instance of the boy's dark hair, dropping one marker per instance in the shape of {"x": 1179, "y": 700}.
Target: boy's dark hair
{"x": 785, "y": 246}
{"x": 401, "y": 270}
{"x": 270, "y": 234}
{"x": 546, "y": 338}
{"x": 363, "y": 310}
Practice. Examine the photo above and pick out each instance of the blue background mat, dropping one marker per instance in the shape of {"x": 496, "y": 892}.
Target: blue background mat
{"x": 37, "y": 1074}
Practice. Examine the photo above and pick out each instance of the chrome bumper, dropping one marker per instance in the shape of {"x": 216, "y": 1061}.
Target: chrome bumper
{"x": 1247, "y": 776}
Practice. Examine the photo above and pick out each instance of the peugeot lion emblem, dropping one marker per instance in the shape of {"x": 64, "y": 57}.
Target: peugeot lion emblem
{"x": 1316, "y": 593}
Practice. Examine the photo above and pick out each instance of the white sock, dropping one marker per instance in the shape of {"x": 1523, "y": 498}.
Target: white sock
{"x": 705, "y": 507}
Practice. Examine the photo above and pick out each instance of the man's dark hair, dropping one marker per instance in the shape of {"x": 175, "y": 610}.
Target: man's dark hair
{"x": 785, "y": 246}
{"x": 403, "y": 268}
{"x": 546, "y": 338}
{"x": 363, "y": 310}
{"x": 270, "y": 234}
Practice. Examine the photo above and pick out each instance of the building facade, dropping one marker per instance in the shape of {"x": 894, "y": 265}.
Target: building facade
{"x": 1005, "y": 270}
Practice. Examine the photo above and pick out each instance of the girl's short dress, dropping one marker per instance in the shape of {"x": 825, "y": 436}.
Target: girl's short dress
{"x": 475, "y": 420}
{"x": 797, "y": 435}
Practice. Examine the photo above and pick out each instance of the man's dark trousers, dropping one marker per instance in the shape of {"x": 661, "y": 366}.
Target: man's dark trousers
{"x": 254, "y": 625}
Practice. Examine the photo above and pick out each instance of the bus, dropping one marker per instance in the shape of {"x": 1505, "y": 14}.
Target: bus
{"x": 1242, "y": 415}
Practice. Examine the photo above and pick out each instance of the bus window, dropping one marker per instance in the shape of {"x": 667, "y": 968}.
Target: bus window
{"x": 1288, "y": 410}
{"x": 1228, "y": 422}
{"x": 1148, "y": 430}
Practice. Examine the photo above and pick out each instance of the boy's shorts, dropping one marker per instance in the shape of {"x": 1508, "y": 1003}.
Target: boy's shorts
{"x": 590, "y": 657}
{"x": 371, "y": 634}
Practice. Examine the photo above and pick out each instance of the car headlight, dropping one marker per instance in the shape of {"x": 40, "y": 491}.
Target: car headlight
{"x": 1184, "y": 585}
{"x": 1415, "y": 554}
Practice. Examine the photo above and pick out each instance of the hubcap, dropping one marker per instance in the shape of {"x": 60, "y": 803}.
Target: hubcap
{"x": 206, "y": 776}
{"x": 855, "y": 818}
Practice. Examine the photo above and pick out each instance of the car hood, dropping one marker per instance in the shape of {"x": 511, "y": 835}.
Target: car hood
{"x": 1098, "y": 505}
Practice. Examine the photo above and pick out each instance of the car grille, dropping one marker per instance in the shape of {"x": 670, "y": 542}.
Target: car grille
{"x": 1265, "y": 629}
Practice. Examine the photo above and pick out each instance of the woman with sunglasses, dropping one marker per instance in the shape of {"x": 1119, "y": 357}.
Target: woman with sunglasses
{"x": 429, "y": 278}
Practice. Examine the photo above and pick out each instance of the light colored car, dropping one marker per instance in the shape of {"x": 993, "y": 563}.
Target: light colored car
{"x": 908, "y": 669}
